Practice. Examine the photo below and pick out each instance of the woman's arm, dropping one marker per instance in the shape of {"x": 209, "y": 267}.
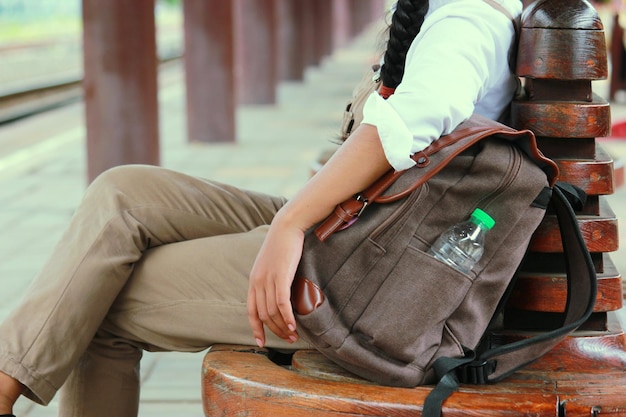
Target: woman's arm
{"x": 355, "y": 165}
{"x": 459, "y": 55}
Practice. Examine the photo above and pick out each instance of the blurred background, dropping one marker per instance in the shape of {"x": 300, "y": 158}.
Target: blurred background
{"x": 60, "y": 115}
{"x": 41, "y": 40}
{"x": 63, "y": 119}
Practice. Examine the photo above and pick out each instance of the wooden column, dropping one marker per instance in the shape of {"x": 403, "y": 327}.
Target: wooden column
{"x": 361, "y": 14}
{"x": 209, "y": 70}
{"x": 291, "y": 63}
{"x": 120, "y": 83}
{"x": 307, "y": 26}
{"x": 322, "y": 16}
{"x": 341, "y": 23}
{"x": 378, "y": 10}
{"x": 255, "y": 51}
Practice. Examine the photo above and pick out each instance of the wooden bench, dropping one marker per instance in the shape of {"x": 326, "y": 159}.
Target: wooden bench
{"x": 562, "y": 49}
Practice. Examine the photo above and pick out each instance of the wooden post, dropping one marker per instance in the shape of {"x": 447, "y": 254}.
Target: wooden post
{"x": 341, "y": 23}
{"x": 209, "y": 70}
{"x": 255, "y": 51}
{"x": 360, "y": 11}
{"x": 307, "y": 26}
{"x": 322, "y": 18}
{"x": 379, "y": 9}
{"x": 291, "y": 64}
{"x": 120, "y": 83}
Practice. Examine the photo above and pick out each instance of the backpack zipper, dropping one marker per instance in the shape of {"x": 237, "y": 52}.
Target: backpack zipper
{"x": 511, "y": 174}
{"x": 399, "y": 212}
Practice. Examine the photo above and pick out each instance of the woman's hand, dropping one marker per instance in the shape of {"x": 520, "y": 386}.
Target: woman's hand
{"x": 269, "y": 294}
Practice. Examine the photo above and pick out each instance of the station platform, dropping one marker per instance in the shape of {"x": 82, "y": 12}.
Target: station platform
{"x": 43, "y": 176}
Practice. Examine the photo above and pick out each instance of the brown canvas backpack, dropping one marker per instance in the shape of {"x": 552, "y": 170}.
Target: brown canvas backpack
{"x": 368, "y": 295}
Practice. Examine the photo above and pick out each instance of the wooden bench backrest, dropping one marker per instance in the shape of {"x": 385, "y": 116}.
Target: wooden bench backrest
{"x": 561, "y": 51}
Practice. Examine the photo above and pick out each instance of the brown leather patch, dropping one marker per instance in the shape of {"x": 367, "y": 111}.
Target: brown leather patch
{"x": 305, "y": 296}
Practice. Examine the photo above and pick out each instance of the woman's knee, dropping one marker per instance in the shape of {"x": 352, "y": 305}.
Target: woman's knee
{"x": 118, "y": 188}
{"x": 123, "y": 176}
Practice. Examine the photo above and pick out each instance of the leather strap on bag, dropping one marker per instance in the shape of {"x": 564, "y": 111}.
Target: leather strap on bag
{"x": 430, "y": 161}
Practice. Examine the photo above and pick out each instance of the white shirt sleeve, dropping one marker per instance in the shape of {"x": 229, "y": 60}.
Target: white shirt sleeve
{"x": 456, "y": 65}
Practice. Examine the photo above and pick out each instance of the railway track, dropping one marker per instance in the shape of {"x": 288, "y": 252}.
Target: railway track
{"x": 37, "y": 98}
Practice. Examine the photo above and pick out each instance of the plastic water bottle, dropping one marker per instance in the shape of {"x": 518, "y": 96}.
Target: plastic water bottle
{"x": 463, "y": 244}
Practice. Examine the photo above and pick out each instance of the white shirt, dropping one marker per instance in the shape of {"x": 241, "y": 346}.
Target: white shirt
{"x": 457, "y": 65}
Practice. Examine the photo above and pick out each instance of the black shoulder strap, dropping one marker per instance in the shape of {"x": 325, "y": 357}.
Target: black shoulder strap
{"x": 500, "y": 362}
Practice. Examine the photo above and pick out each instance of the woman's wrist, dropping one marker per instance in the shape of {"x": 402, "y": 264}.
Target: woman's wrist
{"x": 289, "y": 216}
{"x": 342, "y": 176}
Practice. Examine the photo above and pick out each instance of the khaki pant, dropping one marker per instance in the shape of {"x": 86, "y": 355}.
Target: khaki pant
{"x": 152, "y": 260}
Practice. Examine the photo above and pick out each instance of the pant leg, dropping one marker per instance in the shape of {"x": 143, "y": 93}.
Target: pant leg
{"x": 190, "y": 295}
{"x": 183, "y": 296}
{"x": 126, "y": 211}
{"x": 106, "y": 380}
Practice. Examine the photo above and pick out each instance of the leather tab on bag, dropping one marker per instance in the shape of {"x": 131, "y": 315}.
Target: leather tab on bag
{"x": 343, "y": 215}
{"x": 306, "y": 297}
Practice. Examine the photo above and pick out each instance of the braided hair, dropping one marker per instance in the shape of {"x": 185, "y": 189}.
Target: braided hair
{"x": 406, "y": 23}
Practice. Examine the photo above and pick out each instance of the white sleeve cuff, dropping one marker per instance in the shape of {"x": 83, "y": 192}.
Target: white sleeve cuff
{"x": 395, "y": 136}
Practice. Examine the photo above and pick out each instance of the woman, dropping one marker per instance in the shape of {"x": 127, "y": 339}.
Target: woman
{"x": 158, "y": 260}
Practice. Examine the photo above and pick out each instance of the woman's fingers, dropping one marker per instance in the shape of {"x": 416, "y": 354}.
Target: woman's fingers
{"x": 255, "y": 322}
{"x": 270, "y": 305}
{"x": 269, "y": 297}
{"x": 285, "y": 310}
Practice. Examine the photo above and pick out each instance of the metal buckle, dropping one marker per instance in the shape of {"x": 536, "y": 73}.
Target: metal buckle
{"x": 365, "y": 204}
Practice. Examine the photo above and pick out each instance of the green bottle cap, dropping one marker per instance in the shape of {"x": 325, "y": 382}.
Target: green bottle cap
{"x": 483, "y": 218}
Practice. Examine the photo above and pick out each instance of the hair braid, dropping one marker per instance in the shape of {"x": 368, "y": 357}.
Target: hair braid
{"x": 405, "y": 25}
